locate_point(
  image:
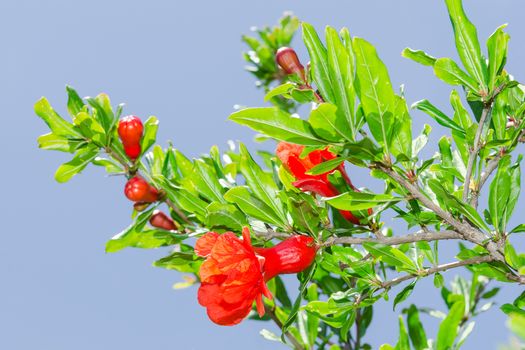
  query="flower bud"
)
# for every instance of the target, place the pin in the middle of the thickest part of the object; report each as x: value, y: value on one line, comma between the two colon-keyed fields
x: 287, y: 59
x: 161, y: 220
x: 138, y: 190
x: 292, y: 255
x: 141, y: 206
x: 130, y: 131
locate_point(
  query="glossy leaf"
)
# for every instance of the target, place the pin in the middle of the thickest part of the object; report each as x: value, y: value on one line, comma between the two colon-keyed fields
x: 361, y: 200
x: 448, y: 71
x: 277, y: 124
x: 83, y: 157
x: 418, y: 56
x: 440, y: 117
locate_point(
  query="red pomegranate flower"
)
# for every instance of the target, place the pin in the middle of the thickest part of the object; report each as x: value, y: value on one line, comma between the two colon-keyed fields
x: 234, y: 273
x: 290, y: 156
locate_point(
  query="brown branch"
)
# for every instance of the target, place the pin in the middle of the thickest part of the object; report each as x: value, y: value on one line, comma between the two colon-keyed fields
x: 118, y: 158
x: 177, y: 210
x: 275, y: 319
x: 440, y: 268
x: 409, y: 238
x: 475, y: 150
x: 468, y: 232
x: 489, y: 169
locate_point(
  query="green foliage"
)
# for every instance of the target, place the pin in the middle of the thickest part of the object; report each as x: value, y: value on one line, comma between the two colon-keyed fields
x: 356, y: 115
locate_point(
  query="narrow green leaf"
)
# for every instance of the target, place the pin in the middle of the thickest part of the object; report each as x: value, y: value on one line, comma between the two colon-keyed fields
x: 361, y: 200
x: 448, y: 329
x: 319, y: 62
x: 467, y: 42
x: 149, y: 137
x: 341, y: 73
x: 278, y: 91
x: 222, y: 215
x: 67, y: 170
x: 415, y: 329
x: 251, y: 205
x: 448, y: 71
x: 325, y: 167
x: 404, y: 294
x: 74, y: 103
x: 402, y: 341
x: 278, y: 124
x: 418, y: 56
x: 327, y: 125
x: 497, y: 45
x: 390, y: 255
x: 440, y: 117
x: 56, y: 123
x: 375, y: 91
x: 58, y: 143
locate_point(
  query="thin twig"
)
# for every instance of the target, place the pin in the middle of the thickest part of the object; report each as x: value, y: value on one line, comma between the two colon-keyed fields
x: 467, y: 231
x: 118, y: 158
x: 440, y: 268
x: 489, y: 169
x: 409, y: 238
x: 177, y: 210
x: 475, y: 150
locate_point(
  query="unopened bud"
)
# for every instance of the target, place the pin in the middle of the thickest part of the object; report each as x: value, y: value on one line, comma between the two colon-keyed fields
x: 287, y: 59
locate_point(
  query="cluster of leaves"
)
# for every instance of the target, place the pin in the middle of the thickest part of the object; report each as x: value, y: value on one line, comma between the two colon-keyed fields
x: 358, y: 115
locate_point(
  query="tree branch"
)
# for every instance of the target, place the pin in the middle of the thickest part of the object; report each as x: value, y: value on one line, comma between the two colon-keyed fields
x: 468, y: 232
x: 475, y: 150
x: 491, y: 166
x: 440, y: 268
x: 409, y: 238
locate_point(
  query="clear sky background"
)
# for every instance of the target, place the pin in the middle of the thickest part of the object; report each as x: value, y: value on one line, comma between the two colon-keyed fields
x: 180, y: 61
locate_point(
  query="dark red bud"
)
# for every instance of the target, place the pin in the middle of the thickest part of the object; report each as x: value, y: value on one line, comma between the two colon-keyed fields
x: 130, y: 131
x: 292, y: 255
x: 141, y: 206
x: 287, y: 59
x: 161, y: 220
x: 139, y: 190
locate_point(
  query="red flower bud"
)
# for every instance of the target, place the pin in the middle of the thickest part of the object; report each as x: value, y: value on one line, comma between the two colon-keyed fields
x: 161, y: 220
x: 287, y: 59
x: 138, y: 190
x: 292, y: 255
x: 130, y: 131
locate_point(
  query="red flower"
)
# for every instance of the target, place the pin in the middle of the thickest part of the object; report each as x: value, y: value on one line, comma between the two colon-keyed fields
x: 234, y: 273
x: 290, y: 156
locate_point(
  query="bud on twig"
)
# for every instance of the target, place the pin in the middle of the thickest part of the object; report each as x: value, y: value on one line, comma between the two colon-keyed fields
x: 161, y: 220
x: 287, y: 59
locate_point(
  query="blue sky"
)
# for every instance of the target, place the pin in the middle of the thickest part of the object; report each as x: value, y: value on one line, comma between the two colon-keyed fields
x: 180, y: 61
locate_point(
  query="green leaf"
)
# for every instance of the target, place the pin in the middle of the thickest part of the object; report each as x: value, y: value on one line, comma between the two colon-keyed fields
x: 497, y: 45
x: 448, y: 329
x: 418, y: 56
x: 325, y: 167
x: 90, y: 128
x: 224, y: 215
x: 440, y: 117
x: 375, y: 91
x: 179, y: 261
x: 251, y: 205
x: 390, y: 255
x: 304, y: 279
x: 499, y: 195
x: 404, y: 294
x: 327, y: 125
x: 204, y: 180
x: 415, y: 329
x: 402, y: 342
x: 135, y: 236
x: 511, y: 256
x: 149, y: 137
x: 75, y: 104
x: 319, y: 62
x: 261, y: 184
x: 67, y: 170
x: 102, y: 111
x: 341, y: 70
x: 517, y: 325
x: 278, y: 124
x: 448, y: 71
x: 361, y: 200
x: 467, y: 43
x: 303, y: 213
x: 401, y: 139
x: 58, y: 143
x: 56, y: 123
x: 278, y: 91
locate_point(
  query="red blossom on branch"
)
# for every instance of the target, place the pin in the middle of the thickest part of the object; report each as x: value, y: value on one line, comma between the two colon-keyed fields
x: 290, y: 156
x: 234, y: 273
